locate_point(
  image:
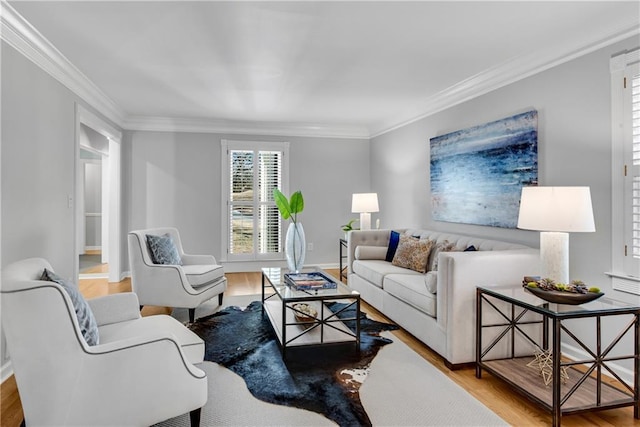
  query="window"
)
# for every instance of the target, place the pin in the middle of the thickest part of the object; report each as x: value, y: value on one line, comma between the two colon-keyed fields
x: 251, y: 170
x: 625, y: 104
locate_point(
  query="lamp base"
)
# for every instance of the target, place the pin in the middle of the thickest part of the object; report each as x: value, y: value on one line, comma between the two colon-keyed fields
x: 365, y: 221
x: 554, y: 255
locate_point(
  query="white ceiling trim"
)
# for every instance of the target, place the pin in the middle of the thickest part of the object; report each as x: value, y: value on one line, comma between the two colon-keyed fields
x: 27, y: 40
x: 166, y: 124
x: 503, y: 75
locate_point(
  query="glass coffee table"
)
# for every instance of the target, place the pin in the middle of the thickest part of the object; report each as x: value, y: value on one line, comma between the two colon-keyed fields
x: 295, y: 327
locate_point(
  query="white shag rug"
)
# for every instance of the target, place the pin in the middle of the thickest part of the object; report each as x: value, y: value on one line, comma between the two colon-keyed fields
x: 401, y: 389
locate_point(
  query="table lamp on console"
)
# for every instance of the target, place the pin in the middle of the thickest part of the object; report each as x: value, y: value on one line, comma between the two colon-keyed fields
x: 364, y: 204
x: 556, y: 212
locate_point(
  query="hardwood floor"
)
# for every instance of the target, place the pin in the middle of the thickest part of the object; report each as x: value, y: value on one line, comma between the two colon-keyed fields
x: 513, y: 408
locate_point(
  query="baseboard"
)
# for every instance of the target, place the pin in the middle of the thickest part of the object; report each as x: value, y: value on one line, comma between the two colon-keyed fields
x: 252, y: 266
x: 6, y: 371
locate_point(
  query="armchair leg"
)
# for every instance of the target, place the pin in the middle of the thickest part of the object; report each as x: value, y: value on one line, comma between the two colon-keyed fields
x: 195, y: 417
x: 220, y: 298
x: 192, y: 315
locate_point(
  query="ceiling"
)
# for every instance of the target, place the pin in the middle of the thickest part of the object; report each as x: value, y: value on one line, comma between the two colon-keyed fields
x: 335, y: 68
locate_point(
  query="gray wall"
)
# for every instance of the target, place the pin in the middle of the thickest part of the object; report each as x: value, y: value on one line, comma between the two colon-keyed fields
x: 38, y: 166
x: 174, y: 179
x: 574, y: 136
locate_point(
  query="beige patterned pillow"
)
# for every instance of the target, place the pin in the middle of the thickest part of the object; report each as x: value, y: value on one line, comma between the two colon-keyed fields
x: 444, y: 246
x: 413, y: 253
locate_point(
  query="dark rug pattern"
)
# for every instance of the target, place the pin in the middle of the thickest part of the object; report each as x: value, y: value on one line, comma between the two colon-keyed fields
x: 243, y: 341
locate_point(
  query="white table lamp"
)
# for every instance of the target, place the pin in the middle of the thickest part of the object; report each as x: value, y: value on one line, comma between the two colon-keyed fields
x: 555, y: 212
x: 364, y: 204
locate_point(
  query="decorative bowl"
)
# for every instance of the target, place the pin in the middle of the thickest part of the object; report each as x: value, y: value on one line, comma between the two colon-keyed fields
x: 310, y: 313
x: 562, y: 297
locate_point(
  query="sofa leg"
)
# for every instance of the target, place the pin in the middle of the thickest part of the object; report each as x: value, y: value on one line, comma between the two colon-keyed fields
x: 192, y: 315
x: 195, y: 417
x: 220, y: 298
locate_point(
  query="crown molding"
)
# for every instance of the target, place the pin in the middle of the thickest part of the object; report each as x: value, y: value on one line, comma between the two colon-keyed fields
x: 27, y: 40
x: 502, y: 75
x: 238, y: 127
x: 18, y: 33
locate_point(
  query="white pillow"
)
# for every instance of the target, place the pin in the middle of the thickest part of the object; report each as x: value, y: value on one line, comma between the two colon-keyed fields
x: 371, y: 252
x: 431, y: 281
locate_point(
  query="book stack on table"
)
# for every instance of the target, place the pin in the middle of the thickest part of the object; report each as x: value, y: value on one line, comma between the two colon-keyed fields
x: 309, y: 281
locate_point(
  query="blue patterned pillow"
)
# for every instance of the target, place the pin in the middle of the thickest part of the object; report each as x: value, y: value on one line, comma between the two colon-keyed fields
x: 86, y: 319
x: 163, y: 250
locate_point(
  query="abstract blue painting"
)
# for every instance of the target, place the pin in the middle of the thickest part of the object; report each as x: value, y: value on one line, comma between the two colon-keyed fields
x: 477, y: 174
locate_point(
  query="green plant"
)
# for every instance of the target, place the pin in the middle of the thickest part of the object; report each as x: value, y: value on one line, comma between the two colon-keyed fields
x: 348, y: 226
x: 289, y: 208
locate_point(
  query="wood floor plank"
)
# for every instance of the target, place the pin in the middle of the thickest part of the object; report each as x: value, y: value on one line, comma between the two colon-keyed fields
x: 495, y: 394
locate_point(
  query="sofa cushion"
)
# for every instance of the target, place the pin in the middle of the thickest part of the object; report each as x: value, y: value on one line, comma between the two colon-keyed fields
x: 163, y: 250
x: 413, y: 253
x: 202, y: 275
x: 370, y: 252
x: 84, y: 314
x: 375, y: 270
x: 192, y: 345
x: 412, y: 290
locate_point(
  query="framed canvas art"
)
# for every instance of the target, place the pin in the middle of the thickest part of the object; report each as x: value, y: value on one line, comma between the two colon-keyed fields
x: 477, y: 173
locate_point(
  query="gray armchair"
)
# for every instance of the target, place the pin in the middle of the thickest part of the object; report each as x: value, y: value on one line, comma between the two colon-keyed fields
x: 198, y: 279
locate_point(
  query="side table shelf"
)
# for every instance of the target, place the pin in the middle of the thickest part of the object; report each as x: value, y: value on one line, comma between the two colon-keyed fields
x: 510, y: 318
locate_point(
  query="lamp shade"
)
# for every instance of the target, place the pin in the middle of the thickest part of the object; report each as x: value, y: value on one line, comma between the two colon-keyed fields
x: 364, y: 202
x: 563, y: 209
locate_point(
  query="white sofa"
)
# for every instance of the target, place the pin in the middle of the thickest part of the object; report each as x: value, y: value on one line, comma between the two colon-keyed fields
x: 437, y: 307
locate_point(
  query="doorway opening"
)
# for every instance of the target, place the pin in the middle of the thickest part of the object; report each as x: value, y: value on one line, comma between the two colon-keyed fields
x: 97, y: 210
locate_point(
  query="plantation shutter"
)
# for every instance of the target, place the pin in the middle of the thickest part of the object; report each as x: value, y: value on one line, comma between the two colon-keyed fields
x: 269, y: 177
x: 253, y: 224
x: 632, y: 180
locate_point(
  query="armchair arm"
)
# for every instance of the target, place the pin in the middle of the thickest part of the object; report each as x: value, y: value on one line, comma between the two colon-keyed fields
x: 188, y: 259
x: 147, y: 378
x: 115, y: 308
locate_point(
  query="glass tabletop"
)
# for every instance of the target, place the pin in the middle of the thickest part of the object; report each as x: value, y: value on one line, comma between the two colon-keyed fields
x: 518, y: 294
x: 276, y: 277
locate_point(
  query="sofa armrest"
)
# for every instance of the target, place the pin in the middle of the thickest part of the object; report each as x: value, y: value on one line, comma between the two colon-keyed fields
x: 459, y: 273
x: 364, y: 238
x: 115, y: 308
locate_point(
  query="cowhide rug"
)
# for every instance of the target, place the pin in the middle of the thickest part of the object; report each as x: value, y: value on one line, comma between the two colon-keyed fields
x: 323, y: 380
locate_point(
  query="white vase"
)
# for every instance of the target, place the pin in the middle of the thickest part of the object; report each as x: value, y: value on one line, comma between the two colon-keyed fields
x: 294, y: 247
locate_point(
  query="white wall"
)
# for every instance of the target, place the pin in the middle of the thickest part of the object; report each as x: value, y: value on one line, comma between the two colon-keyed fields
x: 574, y: 148
x: 173, y: 179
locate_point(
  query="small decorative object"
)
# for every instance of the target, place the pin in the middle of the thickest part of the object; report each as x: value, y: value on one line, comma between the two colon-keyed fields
x: 543, y: 361
x: 348, y: 227
x: 573, y: 293
x: 309, y: 281
x: 295, y: 244
x: 304, y: 312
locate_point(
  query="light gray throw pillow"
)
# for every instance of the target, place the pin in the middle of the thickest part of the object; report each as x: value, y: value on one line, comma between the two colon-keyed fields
x: 86, y: 319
